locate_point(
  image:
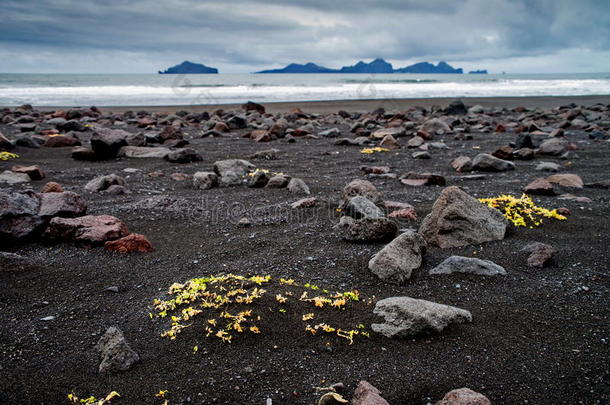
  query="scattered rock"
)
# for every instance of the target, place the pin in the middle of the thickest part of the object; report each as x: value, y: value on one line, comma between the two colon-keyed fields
x: 84, y: 154
x: 14, y: 262
x: 366, y: 229
x: 64, y: 204
x: 19, y: 214
x: 415, y: 142
x: 278, y: 181
x: 457, y: 219
x: 205, y: 180
x: 129, y: 244
x: 304, y: 203
x: 61, y: 141
x: 258, y: 179
x: 269, y: 154
x: 361, y: 207
x: 298, y: 186
x: 102, y: 183
x: 540, y: 254
x: 366, y: 394
x: 397, y: 260
x: 421, y: 155
x: 184, y: 155
x: 553, y: 147
x: 462, y: 164
x: 88, y: 229
x: 10, y: 177
x: 106, y: 142
x: 384, y: 132
x: 143, y: 152
x: 548, y: 167
x: 487, y: 162
x: 231, y: 168
x: 436, y: 126
x: 375, y: 169
x: 115, y: 352
x: 330, y: 133
x: 35, y: 172
x: 464, y: 396
x: 362, y: 188
x: 566, y: 180
x: 389, y: 142
x: 540, y: 186
x: 422, y: 179
x: 471, y: 265
x: 406, y: 317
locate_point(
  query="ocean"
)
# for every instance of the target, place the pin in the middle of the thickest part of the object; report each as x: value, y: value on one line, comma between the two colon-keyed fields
x: 160, y: 90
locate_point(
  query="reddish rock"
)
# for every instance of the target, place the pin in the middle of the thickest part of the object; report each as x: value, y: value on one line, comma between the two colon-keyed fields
x: 524, y: 154
x: 405, y: 213
x: 82, y: 153
x: 35, y: 172
x: 363, y: 188
x: 396, y: 205
x: 389, y: 142
x: 464, y: 396
x: 422, y: 179
x: 89, y: 229
x: 539, y: 186
x: 305, y: 203
x: 129, y: 244
x: 221, y: 127
x: 503, y: 152
x: 540, y: 254
x: 564, y: 211
x: 61, y: 141
x: 52, y: 187
x: 59, y: 114
x: 424, y: 135
x: 500, y: 128
x: 145, y: 122
x: 47, y: 132
x: 260, y: 135
x: 566, y: 180
x: 251, y: 106
x: 415, y: 142
x: 300, y: 132
x: 366, y: 394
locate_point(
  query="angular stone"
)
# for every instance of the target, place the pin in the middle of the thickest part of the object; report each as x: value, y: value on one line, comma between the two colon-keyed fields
x: 457, y: 219
x: 115, y: 353
x: 101, y: 183
x: 436, y: 126
x: 366, y: 229
x: 363, y: 188
x: 260, y: 135
x: 106, y: 142
x: 35, y: 172
x: 239, y: 167
x: 88, y: 229
x: 422, y: 179
x: 397, y: 260
x: 61, y: 141
x: 330, y: 133
x: 278, y: 181
x: 462, y: 164
x: 407, y: 317
x: 184, y: 155
x: 540, y: 254
x: 258, y: 179
x: 366, y: 394
x: 143, y: 152
x: 487, y: 162
x: 421, y: 155
x: 389, y: 142
x: 471, y: 265
x: 415, y: 142
x: 553, y: 147
x: 304, y: 203
x: 384, y: 132
x: 10, y: 177
x: 63, y: 204
x: 548, y: 167
x: 52, y: 187
x: 84, y: 154
x: 375, y: 169
x: 361, y: 207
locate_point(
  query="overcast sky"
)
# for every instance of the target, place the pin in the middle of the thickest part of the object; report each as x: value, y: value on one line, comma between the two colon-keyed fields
x: 142, y: 36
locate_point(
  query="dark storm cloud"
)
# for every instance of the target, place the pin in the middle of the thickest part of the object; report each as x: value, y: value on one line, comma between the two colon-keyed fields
x: 138, y: 35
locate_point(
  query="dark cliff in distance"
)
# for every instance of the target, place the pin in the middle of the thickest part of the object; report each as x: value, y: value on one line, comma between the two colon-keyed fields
x: 478, y: 72
x: 426, y: 67
x: 187, y: 67
x: 376, y: 66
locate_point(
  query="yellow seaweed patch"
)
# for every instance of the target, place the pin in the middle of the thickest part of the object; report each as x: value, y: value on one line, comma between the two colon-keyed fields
x: 521, y: 211
x: 369, y: 151
x: 8, y: 155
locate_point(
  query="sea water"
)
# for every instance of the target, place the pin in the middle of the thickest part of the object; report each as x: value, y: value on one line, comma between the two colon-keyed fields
x: 159, y: 90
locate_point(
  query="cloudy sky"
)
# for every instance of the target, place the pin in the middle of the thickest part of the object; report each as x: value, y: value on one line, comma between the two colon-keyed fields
x: 142, y: 36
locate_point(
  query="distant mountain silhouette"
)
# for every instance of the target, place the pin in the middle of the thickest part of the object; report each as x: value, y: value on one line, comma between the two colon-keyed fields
x: 297, y: 68
x: 478, y: 72
x: 376, y: 66
x: 426, y: 67
x: 187, y: 67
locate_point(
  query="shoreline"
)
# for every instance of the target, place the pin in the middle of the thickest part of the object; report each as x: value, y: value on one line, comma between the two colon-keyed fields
x: 330, y: 106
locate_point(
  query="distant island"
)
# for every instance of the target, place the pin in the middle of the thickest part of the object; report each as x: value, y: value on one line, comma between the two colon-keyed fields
x: 376, y: 66
x: 478, y: 72
x: 187, y: 67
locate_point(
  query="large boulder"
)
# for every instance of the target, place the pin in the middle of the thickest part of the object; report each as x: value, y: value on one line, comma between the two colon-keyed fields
x: 471, y: 265
x: 115, y: 353
x: 64, y: 204
x: 366, y: 229
x: 19, y: 214
x: 464, y: 396
x: 107, y: 142
x: 94, y: 230
x: 457, y: 219
x: 406, y: 317
x: 489, y: 163
x: 397, y: 260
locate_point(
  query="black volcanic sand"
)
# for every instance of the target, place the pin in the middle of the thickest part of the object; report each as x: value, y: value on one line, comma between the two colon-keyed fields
x: 538, y: 336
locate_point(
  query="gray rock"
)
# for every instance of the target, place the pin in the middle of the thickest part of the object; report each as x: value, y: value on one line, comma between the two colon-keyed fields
x: 406, y: 317
x: 487, y: 162
x: 298, y: 186
x: 553, y: 147
x: 258, y: 179
x: 142, y: 152
x: 360, y: 207
x: 330, y: 133
x: 278, y: 181
x: 205, y: 180
x: 238, y: 167
x: 19, y: 214
x: 366, y: 229
x: 106, y: 142
x: 183, y: 155
x: 64, y: 204
x: 471, y: 265
x: 462, y: 164
x: 9, y: 177
x: 269, y: 154
x: 362, y: 188
x: 115, y: 353
x: 437, y: 126
x: 397, y: 260
x: 102, y: 183
x: 458, y: 219
x: 366, y: 394
x: 421, y: 155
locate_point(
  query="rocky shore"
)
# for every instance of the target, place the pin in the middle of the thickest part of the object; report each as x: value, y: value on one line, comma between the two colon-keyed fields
x: 393, y: 254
